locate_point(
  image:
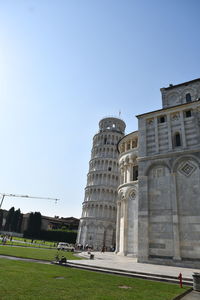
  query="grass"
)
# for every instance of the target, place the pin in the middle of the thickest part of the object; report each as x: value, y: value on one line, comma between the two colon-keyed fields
x: 33, y: 245
x: 44, y: 254
x: 32, y: 281
x: 28, y: 243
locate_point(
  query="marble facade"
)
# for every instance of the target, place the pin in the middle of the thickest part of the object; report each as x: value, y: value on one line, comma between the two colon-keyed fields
x: 158, y: 202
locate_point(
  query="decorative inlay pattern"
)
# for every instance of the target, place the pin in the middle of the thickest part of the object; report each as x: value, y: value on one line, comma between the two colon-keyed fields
x: 187, y: 168
x: 132, y: 195
x: 150, y: 122
x: 175, y: 116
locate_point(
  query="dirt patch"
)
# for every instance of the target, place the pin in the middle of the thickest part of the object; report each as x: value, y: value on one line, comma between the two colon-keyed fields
x: 124, y: 287
x: 59, y: 277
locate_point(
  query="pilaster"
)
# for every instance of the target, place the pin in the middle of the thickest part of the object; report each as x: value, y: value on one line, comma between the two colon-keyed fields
x: 183, y: 129
x: 143, y: 220
x: 175, y: 219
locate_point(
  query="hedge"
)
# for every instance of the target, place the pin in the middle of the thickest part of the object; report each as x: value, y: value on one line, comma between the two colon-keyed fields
x: 55, y: 235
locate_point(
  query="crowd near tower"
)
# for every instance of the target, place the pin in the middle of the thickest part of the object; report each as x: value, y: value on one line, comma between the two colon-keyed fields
x: 97, y: 227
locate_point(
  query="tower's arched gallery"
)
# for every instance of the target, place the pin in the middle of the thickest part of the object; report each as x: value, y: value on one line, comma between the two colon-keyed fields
x: 143, y: 189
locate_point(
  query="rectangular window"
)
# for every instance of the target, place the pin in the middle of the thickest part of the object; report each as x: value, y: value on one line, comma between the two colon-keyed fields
x: 162, y: 119
x: 188, y: 97
x: 135, y: 173
x: 188, y: 113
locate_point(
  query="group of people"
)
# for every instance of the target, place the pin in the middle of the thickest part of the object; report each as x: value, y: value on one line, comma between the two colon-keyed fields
x: 88, y: 247
x: 61, y: 259
x: 5, y: 238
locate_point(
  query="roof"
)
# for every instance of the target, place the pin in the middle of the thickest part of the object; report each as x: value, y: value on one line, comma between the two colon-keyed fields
x: 168, y: 108
x: 61, y: 220
x: 171, y: 86
x: 125, y: 136
x: 113, y: 118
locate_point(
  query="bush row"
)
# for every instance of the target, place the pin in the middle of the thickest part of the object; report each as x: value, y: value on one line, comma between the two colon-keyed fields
x: 54, y: 235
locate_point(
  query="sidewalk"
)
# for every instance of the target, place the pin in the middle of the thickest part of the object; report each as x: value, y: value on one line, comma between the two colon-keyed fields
x: 192, y: 296
x: 115, y: 262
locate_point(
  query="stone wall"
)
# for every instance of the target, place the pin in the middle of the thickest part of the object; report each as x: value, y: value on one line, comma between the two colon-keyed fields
x: 169, y: 181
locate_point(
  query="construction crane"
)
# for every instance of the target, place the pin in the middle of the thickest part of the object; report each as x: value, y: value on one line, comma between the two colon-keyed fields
x: 24, y: 196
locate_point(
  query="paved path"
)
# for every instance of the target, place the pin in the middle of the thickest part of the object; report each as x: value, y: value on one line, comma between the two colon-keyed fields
x: 113, y: 261
x: 40, y: 261
x: 192, y: 296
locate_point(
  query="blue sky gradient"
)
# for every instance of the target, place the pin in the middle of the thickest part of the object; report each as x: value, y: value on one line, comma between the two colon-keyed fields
x: 64, y: 65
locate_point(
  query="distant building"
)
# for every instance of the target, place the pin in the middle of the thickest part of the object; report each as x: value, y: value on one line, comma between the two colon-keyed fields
x: 49, y: 223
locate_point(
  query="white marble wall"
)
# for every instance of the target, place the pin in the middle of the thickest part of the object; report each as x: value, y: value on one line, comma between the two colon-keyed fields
x: 98, y: 221
x: 127, y: 205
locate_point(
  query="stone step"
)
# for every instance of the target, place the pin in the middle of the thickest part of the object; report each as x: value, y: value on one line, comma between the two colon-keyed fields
x: 142, y: 275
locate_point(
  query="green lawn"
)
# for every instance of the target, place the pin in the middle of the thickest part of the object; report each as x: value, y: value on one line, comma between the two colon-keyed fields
x: 45, y: 254
x: 16, y: 241
x: 36, y: 243
x: 32, y: 281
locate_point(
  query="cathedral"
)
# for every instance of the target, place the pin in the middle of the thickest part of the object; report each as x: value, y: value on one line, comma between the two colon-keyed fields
x: 142, y: 196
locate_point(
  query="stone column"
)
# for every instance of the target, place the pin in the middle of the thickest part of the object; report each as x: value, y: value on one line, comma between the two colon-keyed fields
x: 129, y: 173
x: 169, y: 132
x: 156, y: 134
x: 125, y: 246
x: 125, y: 172
x: 103, y: 211
x: 118, y: 226
x: 143, y: 220
x: 83, y: 211
x: 175, y: 218
x: 183, y: 129
x: 100, y: 194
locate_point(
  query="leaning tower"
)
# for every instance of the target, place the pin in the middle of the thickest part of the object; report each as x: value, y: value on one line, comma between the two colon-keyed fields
x: 98, y: 221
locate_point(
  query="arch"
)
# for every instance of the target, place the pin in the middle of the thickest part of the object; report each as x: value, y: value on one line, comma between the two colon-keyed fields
x: 173, y: 98
x: 188, y: 94
x: 156, y: 164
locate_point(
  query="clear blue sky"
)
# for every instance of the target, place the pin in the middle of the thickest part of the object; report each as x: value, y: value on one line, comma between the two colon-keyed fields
x: 64, y: 65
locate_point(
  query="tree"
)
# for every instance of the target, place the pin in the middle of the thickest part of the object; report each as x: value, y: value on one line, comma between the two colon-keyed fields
x: 9, y: 219
x: 34, y: 224
x: 37, y: 222
x: 19, y: 223
x: 30, y: 224
x: 15, y: 220
x: 1, y: 219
